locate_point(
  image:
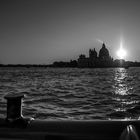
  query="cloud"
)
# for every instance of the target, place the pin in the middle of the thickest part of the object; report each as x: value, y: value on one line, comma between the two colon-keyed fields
x: 100, y: 41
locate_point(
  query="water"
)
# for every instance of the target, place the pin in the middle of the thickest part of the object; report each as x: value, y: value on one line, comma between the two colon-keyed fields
x: 74, y: 94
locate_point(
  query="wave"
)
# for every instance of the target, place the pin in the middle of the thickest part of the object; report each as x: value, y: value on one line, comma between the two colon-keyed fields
x: 69, y: 93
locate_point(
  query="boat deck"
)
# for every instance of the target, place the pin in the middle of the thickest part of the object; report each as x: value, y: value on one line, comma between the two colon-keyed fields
x: 69, y: 130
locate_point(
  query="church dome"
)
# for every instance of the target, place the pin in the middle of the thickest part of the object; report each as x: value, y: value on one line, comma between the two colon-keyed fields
x: 103, y: 53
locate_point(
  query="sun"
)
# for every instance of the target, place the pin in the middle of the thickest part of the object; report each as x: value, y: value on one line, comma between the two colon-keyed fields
x: 121, y: 53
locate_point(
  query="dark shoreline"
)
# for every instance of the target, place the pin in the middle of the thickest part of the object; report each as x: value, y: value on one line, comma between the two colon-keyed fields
x: 53, y: 66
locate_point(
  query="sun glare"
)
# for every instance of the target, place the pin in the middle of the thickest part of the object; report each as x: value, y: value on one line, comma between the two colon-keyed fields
x: 121, y: 53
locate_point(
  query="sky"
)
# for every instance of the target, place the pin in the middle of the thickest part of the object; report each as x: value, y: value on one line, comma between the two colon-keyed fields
x: 44, y: 31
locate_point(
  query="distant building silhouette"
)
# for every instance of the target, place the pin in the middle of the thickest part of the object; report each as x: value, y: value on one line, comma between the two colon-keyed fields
x: 92, y: 54
x: 103, y: 60
x: 103, y: 53
x: 83, y: 61
x: 92, y: 58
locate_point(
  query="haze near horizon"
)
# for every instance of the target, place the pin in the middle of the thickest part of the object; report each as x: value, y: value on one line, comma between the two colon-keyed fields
x: 44, y: 31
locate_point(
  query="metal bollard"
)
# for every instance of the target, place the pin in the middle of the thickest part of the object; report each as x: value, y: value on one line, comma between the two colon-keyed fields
x: 14, y: 110
x: 14, y: 106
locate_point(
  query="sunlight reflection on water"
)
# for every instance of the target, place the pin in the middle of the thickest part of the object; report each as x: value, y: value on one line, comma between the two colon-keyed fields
x: 123, y: 90
x: 121, y: 86
x: 69, y: 93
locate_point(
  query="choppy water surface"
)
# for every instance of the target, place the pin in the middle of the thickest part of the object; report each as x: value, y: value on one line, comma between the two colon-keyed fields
x: 74, y: 94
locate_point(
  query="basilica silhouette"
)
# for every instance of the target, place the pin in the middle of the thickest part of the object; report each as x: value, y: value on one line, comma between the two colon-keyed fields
x: 94, y: 60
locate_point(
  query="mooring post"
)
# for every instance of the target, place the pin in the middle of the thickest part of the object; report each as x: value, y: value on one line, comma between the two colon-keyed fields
x: 14, y: 109
x: 14, y: 106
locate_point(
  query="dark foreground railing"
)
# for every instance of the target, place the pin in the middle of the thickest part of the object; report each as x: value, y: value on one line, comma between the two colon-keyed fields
x: 15, y: 126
